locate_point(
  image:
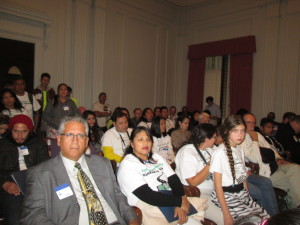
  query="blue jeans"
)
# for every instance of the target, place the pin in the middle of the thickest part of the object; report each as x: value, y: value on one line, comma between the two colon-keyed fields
x: 261, y: 189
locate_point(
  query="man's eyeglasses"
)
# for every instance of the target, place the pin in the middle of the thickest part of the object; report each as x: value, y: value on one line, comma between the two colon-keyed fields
x: 71, y: 135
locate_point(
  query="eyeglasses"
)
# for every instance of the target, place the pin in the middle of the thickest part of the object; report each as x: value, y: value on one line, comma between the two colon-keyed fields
x: 71, y: 135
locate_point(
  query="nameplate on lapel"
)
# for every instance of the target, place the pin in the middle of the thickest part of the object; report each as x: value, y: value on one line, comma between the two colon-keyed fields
x: 63, y: 191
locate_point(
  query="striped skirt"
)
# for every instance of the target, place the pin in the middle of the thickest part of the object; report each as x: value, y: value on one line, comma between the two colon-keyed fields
x: 240, y: 204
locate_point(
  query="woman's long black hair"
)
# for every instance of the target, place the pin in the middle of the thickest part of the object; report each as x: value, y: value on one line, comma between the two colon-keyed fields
x: 202, y: 131
x: 130, y: 150
x: 17, y: 104
x: 155, y: 127
x: 143, y: 118
x: 180, y: 119
x: 95, y: 132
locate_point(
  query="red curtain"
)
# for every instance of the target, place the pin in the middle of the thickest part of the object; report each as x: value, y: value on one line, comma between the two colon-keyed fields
x: 241, y: 64
x: 196, y: 84
x: 240, y: 82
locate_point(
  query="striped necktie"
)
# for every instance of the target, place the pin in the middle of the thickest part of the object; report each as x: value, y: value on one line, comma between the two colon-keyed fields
x: 95, y: 209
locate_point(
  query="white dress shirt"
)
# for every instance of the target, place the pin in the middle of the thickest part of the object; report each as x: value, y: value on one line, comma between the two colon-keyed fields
x: 72, y: 173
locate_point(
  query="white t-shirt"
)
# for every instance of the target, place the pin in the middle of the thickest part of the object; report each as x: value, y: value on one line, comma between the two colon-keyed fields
x: 189, y: 163
x: 144, y: 124
x: 220, y: 164
x: 132, y: 174
x: 101, y: 108
x: 29, y: 108
x: 118, y: 141
x: 169, y: 124
x: 252, y: 153
x: 163, y: 146
x: 13, y: 112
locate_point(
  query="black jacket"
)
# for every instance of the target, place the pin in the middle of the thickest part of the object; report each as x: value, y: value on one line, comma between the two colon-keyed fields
x: 9, y: 155
x: 288, y: 138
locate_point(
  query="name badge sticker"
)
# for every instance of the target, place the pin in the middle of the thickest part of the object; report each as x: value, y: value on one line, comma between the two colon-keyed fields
x: 24, y: 150
x: 66, y: 108
x: 63, y: 191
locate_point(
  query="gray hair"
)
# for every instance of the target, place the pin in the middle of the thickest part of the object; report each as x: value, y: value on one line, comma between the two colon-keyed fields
x: 69, y: 119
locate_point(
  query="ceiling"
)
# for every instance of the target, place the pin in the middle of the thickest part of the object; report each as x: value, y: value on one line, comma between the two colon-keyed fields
x: 186, y: 2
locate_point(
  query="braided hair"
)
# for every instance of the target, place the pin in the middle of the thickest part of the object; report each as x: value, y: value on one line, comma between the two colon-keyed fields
x: 229, y: 124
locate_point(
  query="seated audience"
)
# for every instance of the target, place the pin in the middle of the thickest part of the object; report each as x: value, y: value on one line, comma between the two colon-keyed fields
x: 4, y: 121
x: 204, y: 117
x: 266, y: 128
x: 146, y: 119
x: 10, y: 104
x: 161, y: 140
x: 165, y: 114
x: 144, y: 177
x: 156, y: 111
x: 137, y: 116
x: 172, y: 114
x: 74, y: 188
x: 230, y: 174
x: 284, y: 175
x: 288, y: 136
x: 19, y: 150
x: 193, y: 163
x: 194, y: 121
x: 54, y: 112
x: 95, y: 132
x: 184, y: 110
x: 271, y: 116
x: 116, y: 139
x: 109, y: 123
x: 181, y: 135
x: 288, y: 117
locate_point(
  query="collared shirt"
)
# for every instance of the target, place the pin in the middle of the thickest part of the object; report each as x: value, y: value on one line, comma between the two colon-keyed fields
x: 72, y: 173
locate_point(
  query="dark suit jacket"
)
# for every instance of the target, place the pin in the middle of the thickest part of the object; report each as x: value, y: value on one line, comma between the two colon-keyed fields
x: 289, y: 140
x: 42, y: 206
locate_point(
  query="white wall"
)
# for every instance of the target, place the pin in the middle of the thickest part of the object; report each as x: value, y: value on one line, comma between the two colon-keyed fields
x: 276, y: 74
x: 136, y: 50
x: 123, y: 47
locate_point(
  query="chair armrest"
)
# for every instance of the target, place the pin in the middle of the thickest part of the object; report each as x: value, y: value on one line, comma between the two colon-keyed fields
x: 191, y: 191
x: 139, y: 214
x: 208, y: 222
x: 253, y: 166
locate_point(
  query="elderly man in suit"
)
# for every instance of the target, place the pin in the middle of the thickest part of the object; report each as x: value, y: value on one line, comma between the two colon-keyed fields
x: 74, y: 188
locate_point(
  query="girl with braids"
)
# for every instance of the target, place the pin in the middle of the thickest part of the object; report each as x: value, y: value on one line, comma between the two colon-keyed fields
x: 228, y: 167
x: 95, y: 132
x: 144, y: 177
